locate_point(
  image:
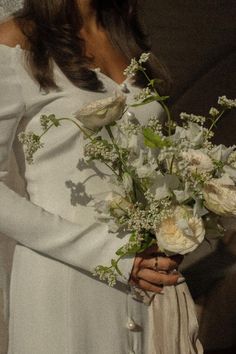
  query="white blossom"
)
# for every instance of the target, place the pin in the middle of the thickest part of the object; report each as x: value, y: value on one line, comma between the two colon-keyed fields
x: 32, y: 143
x: 214, y: 112
x: 136, y: 65
x: 131, y: 69
x: 226, y: 102
x: 144, y: 57
x: 144, y: 93
x: 192, y: 118
x: 220, y: 196
x: 197, y: 160
x: 181, y: 232
x: 100, y: 150
x: 100, y: 113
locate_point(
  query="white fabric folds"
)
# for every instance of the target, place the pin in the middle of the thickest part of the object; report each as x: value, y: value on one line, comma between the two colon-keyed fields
x: 178, y: 335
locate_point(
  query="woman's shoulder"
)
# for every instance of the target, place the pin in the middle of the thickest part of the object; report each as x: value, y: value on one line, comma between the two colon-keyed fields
x: 11, y: 34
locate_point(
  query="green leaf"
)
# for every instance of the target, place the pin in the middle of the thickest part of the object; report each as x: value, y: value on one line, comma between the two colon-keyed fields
x: 149, y: 99
x: 149, y: 241
x: 54, y: 120
x: 120, y: 251
x: 163, y: 98
x: 114, y: 264
x: 145, y: 101
x: 152, y: 82
x: 154, y: 140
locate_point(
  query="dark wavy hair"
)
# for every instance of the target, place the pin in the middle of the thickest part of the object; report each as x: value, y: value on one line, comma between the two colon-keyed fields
x: 52, y: 30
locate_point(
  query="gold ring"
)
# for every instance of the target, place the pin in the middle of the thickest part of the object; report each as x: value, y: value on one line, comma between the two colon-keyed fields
x: 156, y: 264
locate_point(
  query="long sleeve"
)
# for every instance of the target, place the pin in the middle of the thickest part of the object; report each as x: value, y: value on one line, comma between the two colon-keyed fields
x: 31, y: 225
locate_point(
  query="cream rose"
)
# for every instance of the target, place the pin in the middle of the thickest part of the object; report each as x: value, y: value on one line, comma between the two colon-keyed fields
x: 197, y: 160
x: 220, y: 196
x: 180, y: 233
x: 102, y: 112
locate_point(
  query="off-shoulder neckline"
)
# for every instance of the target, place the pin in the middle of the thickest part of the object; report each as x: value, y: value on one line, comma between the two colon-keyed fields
x: 97, y: 70
x: 17, y: 46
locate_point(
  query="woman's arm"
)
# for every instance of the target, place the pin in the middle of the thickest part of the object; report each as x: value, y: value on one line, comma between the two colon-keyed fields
x: 28, y: 223
x: 39, y: 229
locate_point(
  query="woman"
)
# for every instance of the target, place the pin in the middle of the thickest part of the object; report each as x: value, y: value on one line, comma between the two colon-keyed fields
x: 48, y: 60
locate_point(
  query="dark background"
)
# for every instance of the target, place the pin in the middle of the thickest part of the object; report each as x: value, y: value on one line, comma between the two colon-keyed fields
x: 197, y: 42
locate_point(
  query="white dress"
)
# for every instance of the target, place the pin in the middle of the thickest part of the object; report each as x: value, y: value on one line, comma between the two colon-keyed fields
x: 56, y: 305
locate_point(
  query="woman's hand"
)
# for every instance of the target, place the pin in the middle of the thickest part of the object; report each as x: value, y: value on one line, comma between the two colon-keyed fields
x: 152, y: 270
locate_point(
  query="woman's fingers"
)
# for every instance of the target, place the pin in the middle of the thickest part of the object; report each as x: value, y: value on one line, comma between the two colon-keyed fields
x: 157, y: 278
x: 159, y: 263
x: 152, y: 255
x: 151, y: 271
x: 145, y: 285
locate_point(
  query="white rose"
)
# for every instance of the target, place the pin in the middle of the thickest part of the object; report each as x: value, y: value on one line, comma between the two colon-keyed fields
x: 102, y: 112
x: 197, y: 160
x: 220, y: 196
x: 180, y: 233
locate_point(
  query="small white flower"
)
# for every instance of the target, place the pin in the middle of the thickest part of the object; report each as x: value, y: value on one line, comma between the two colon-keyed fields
x: 32, y: 144
x: 144, y: 57
x: 136, y: 65
x: 144, y: 93
x: 226, y: 102
x: 131, y: 69
x: 220, y: 196
x: 192, y: 118
x: 180, y: 233
x: 214, y: 112
x: 102, y: 112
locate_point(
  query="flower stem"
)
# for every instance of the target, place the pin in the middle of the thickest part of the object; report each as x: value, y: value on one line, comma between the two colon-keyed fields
x: 164, y: 106
x: 215, y: 121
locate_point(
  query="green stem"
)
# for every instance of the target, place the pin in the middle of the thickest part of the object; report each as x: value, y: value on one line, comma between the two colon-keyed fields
x: 215, y: 122
x: 136, y: 185
x: 164, y: 106
x: 84, y: 132
x: 108, y: 128
x: 172, y: 163
x: 70, y: 120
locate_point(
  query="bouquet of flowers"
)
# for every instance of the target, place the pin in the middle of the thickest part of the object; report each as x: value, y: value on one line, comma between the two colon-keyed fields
x: 171, y: 183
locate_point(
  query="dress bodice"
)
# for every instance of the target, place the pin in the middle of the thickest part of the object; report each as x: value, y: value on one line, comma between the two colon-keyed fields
x: 58, y: 186
x: 58, y: 180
